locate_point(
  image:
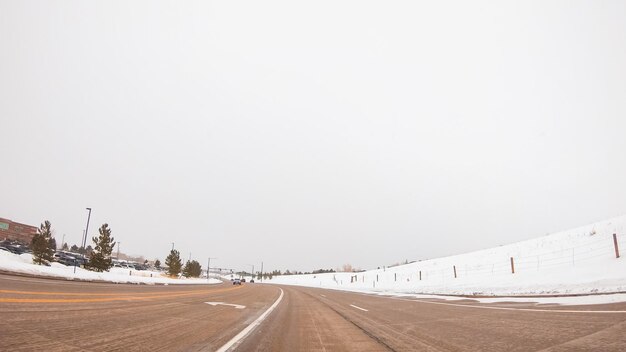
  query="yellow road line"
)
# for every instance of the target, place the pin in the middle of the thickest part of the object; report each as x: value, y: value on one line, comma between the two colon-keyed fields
x: 52, y: 293
x: 109, y: 299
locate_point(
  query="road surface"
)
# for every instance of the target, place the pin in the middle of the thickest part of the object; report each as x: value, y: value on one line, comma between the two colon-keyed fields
x: 55, y: 315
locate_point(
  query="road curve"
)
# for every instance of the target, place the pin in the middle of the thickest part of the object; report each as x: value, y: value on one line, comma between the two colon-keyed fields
x: 55, y: 315
x: 312, y: 319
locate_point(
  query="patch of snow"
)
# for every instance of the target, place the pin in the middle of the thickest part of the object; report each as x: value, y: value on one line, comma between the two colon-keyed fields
x: 23, y: 264
x: 573, y: 262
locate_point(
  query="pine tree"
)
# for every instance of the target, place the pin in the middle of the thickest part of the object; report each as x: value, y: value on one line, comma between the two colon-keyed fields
x: 192, y: 269
x: 65, y: 247
x: 42, y: 254
x: 157, y: 264
x: 52, y: 244
x: 75, y: 249
x: 173, y: 263
x: 100, y: 259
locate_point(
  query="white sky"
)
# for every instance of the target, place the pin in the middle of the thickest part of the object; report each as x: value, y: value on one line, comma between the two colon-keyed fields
x: 312, y: 134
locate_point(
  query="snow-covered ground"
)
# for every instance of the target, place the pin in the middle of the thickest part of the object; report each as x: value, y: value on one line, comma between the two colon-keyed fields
x: 23, y: 264
x: 578, y: 261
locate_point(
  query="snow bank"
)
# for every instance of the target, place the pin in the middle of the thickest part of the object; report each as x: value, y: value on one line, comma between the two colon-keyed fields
x: 23, y: 264
x: 578, y: 261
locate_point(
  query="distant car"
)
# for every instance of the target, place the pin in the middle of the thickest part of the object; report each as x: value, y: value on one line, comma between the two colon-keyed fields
x: 243, y: 280
x: 15, y: 249
x: 67, y: 259
x: 251, y: 281
x: 236, y: 282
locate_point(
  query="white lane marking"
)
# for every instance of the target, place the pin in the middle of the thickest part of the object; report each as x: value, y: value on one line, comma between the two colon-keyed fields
x: 238, y: 306
x: 359, y: 308
x: 518, y: 309
x: 240, y: 336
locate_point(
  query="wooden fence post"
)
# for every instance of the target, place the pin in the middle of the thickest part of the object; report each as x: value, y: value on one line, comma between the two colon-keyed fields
x: 512, y: 266
x: 454, y: 267
x: 420, y: 275
x: 616, y: 246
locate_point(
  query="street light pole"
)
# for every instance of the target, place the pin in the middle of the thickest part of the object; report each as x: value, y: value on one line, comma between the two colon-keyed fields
x: 172, y: 245
x: 118, y: 250
x: 208, y: 268
x: 87, y: 228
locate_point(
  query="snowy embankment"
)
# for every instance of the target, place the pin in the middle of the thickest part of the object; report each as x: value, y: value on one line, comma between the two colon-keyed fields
x: 23, y: 264
x: 578, y: 261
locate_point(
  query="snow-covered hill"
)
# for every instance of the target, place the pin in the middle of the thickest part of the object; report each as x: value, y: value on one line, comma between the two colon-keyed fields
x: 578, y: 261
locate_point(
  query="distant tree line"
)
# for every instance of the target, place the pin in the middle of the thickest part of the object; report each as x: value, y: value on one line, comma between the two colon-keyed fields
x: 270, y: 275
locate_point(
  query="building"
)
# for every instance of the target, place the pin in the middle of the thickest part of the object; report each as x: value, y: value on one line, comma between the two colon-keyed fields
x: 10, y: 230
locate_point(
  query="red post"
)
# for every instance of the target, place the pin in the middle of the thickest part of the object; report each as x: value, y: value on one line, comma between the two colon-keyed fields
x: 616, y: 246
x: 454, y: 267
x: 512, y: 266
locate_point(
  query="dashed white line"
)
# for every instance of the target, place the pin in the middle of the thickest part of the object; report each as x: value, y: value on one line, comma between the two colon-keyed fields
x: 240, y: 336
x: 359, y: 308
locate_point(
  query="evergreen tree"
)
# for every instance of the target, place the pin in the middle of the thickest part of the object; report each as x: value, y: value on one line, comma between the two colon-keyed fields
x: 173, y: 263
x: 192, y: 269
x: 52, y: 244
x: 40, y: 244
x: 157, y: 264
x: 65, y: 247
x: 100, y: 259
x: 75, y: 249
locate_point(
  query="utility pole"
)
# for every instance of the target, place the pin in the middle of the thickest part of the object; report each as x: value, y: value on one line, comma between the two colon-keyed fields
x: 118, y: 250
x: 261, y: 271
x: 172, y: 245
x: 87, y: 228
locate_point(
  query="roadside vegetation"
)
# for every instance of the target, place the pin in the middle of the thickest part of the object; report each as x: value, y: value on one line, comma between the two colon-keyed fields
x: 173, y: 263
x: 42, y: 243
x: 100, y: 259
x: 192, y: 269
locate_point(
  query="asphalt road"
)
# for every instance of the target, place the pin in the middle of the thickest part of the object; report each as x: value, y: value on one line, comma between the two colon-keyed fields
x: 52, y: 315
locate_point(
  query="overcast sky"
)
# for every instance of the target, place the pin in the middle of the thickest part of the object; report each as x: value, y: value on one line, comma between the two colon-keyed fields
x: 312, y: 134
